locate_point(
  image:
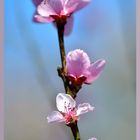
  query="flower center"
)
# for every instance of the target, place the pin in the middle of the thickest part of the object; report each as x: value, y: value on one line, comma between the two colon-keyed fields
x: 70, y: 117
x: 70, y: 114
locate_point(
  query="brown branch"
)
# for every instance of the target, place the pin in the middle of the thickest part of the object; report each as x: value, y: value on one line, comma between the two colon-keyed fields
x: 62, y: 71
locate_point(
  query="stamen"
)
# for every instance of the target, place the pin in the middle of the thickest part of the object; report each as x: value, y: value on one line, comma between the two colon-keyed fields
x: 65, y: 107
x: 69, y: 108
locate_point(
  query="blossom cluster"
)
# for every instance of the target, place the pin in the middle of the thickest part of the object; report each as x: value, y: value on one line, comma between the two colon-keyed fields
x: 77, y: 69
x: 80, y: 71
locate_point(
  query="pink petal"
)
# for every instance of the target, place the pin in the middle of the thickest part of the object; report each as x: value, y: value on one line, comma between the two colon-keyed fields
x: 92, y: 139
x: 45, y: 9
x: 55, y: 116
x: 94, y: 71
x: 68, y: 26
x: 42, y: 19
x: 84, y: 108
x: 70, y: 6
x: 77, y: 62
x: 82, y: 4
x: 56, y: 5
x: 64, y: 102
x: 76, y: 4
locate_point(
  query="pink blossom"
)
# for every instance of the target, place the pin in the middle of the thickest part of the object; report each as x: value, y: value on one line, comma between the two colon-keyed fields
x: 80, y: 69
x: 52, y: 10
x: 67, y: 111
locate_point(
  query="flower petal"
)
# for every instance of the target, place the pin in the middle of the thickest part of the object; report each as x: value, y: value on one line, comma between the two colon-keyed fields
x: 82, y: 4
x: 55, y: 116
x: 68, y: 26
x: 92, y: 139
x: 42, y: 19
x: 75, y: 5
x: 65, y: 102
x: 77, y: 62
x: 84, y: 108
x: 45, y: 9
x: 56, y: 5
x: 94, y: 71
x: 69, y: 6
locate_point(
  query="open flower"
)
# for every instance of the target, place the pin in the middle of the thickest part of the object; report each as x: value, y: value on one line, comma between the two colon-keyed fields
x: 53, y: 10
x: 68, y: 112
x: 80, y: 69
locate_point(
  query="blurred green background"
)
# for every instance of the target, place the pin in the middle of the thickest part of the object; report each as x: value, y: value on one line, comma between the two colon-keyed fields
x: 104, y: 29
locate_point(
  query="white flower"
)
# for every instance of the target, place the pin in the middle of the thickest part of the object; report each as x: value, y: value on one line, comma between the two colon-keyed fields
x: 67, y: 111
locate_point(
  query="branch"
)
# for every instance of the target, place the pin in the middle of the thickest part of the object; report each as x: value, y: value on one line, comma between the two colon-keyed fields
x: 62, y: 72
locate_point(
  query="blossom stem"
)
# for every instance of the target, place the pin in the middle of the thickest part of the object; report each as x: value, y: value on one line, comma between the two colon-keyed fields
x: 75, y: 130
x: 60, y: 28
x: 63, y: 71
